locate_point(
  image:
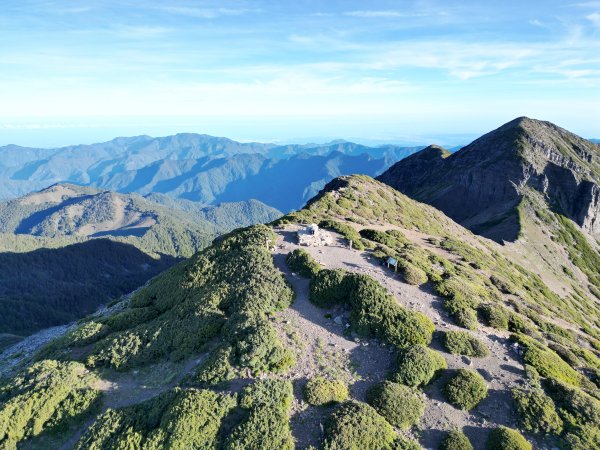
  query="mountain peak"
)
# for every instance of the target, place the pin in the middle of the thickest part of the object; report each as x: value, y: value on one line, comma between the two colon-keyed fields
x: 482, y: 184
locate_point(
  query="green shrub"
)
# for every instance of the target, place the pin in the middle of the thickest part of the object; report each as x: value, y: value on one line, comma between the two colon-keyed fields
x: 536, y: 411
x: 462, y: 343
x: 585, y: 437
x: 356, y: 426
x: 303, y: 263
x: 550, y: 365
x: 390, y: 238
x: 418, y: 365
x: 266, y: 425
x: 466, y: 389
x: 49, y: 395
x: 402, y: 443
x: 456, y: 440
x: 217, y: 368
x: 174, y: 419
x: 503, y: 438
x: 321, y: 391
x: 257, y: 346
x: 462, y: 299
x: 567, y: 355
x: 402, y: 406
x: 466, y: 318
x: 495, y: 316
x: 576, y: 407
x: 330, y: 287
x: 414, y: 275
x: 375, y: 312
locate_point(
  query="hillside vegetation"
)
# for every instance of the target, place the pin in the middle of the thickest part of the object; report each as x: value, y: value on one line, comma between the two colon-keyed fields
x: 231, y: 359
x: 59, y: 264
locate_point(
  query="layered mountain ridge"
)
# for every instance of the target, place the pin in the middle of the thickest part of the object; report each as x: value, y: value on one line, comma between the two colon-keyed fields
x: 201, y: 168
x: 482, y: 185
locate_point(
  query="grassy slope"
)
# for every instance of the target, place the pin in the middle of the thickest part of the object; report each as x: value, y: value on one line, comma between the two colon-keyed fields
x: 219, y: 303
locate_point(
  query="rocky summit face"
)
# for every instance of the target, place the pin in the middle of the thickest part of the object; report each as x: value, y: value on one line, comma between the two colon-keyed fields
x: 482, y: 185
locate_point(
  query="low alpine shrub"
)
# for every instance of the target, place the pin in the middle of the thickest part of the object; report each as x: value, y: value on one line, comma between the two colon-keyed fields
x: 456, y: 440
x: 417, y: 366
x: 466, y: 389
x: 321, y: 391
x: 400, y: 405
x: 463, y: 343
x: 503, y: 438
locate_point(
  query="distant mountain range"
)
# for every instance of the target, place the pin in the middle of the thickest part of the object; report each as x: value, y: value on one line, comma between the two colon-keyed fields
x: 195, y: 167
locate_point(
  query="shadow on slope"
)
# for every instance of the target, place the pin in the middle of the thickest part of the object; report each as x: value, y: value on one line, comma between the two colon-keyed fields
x: 48, y: 287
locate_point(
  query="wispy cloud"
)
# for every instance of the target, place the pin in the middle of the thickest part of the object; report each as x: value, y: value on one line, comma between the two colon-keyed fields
x: 594, y: 18
x: 376, y: 13
x: 207, y: 13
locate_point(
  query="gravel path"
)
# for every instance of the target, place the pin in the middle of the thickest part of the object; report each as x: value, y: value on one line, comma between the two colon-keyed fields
x: 501, y: 369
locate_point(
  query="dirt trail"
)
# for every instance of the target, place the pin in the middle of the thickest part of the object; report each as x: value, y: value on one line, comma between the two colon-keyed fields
x: 130, y: 388
x: 501, y: 369
x: 323, y: 347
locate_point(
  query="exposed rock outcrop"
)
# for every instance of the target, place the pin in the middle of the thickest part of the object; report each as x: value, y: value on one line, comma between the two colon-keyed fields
x: 482, y: 184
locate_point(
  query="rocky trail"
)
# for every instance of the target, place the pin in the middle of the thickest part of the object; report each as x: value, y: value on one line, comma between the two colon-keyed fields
x: 368, y: 361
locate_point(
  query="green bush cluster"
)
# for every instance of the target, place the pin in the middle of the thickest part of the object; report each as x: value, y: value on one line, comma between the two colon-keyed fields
x: 216, y: 370
x: 537, y: 412
x: 417, y: 366
x: 456, y: 440
x: 550, y: 365
x: 301, y: 262
x: 47, y: 396
x: 462, y: 299
x: 174, y: 419
x: 579, y: 411
x: 227, y: 289
x: 345, y: 230
x: 266, y: 424
x: 463, y: 343
x: 374, y: 311
x: 414, y: 275
x: 322, y: 391
x: 256, y: 345
x: 389, y: 238
x: 330, y: 287
x: 401, y: 406
x: 503, y: 438
x: 357, y: 425
x: 466, y: 389
x: 495, y: 316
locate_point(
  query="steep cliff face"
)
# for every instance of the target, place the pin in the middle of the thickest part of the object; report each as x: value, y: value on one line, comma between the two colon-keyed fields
x: 482, y: 184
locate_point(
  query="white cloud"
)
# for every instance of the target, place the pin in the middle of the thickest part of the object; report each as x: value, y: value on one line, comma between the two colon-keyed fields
x: 594, y: 18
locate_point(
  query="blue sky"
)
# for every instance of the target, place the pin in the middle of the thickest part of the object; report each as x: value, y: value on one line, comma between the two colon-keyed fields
x: 405, y: 71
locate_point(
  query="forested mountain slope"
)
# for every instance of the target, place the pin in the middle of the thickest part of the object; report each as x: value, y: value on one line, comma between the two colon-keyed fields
x: 59, y: 265
x: 255, y: 342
